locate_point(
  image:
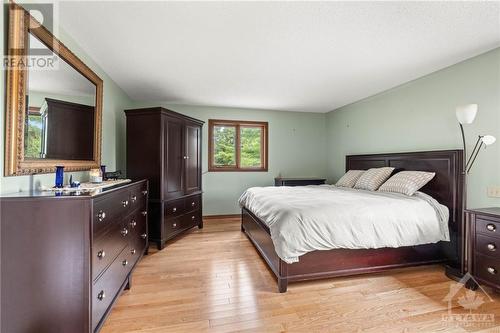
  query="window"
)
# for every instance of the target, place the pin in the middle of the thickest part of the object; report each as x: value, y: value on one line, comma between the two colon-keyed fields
x: 36, y: 127
x: 237, y: 145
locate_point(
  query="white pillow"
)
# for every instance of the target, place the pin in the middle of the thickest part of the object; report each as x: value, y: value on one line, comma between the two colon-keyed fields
x: 350, y: 178
x: 407, y: 182
x: 373, y: 178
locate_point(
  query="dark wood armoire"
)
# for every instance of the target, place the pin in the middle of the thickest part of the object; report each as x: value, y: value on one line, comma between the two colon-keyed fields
x: 164, y: 147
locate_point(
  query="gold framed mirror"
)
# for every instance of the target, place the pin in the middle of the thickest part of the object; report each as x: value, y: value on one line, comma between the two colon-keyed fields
x: 53, y: 102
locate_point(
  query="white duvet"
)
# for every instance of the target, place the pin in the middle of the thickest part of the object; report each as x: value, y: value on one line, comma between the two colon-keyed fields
x: 308, y: 218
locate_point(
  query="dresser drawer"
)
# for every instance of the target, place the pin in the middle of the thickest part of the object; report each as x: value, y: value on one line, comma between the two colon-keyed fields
x: 174, y: 208
x: 107, y: 247
x: 138, y: 196
x: 108, y: 209
x: 108, y: 285
x: 192, y: 203
x: 487, y: 227
x: 487, y: 245
x: 138, y: 235
x: 487, y: 268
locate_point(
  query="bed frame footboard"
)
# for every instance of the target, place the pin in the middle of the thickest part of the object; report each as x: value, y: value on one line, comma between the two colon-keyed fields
x: 334, y: 263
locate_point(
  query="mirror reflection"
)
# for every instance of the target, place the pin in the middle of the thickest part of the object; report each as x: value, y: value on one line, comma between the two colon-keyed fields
x: 60, y: 110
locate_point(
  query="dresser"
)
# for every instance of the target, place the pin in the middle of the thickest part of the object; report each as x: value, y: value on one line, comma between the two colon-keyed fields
x: 164, y: 147
x: 66, y: 258
x: 279, y: 181
x: 484, y: 245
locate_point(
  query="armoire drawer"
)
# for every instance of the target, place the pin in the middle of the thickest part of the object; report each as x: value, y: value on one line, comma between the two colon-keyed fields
x: 192, y: 203
x: 191, y: 219
x: 108, y: 285
x: 174, y: 208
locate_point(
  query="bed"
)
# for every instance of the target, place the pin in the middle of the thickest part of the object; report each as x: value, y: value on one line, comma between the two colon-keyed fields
x: 301, y: 265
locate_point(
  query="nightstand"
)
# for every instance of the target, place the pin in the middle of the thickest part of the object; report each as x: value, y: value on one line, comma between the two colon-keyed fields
x: 298, y: 181
x: 484, y: 245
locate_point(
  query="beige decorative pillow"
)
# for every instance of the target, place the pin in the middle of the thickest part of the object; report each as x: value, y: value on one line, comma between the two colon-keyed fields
x: 373, y: 178
x: 407, y: 182
x: 350, y: 178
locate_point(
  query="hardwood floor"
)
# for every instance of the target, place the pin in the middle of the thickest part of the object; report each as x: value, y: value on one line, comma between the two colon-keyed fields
x: 213, y: 280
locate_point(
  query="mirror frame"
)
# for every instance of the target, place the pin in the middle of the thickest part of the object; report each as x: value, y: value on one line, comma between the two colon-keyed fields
x: 15, y: 164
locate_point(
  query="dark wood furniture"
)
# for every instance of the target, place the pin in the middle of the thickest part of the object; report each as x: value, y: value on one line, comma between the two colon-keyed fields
x: 446, y: 187
x: 70, y: 130
x: 165, y: 147
x: 484, y: 245
x: 279, y: 181
x: 65, y: 259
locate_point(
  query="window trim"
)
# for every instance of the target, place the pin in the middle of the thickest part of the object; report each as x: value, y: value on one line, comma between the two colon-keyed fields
x: 238, y: 123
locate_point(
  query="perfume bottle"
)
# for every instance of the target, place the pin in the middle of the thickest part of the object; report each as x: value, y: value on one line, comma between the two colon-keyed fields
x: 59, y: 176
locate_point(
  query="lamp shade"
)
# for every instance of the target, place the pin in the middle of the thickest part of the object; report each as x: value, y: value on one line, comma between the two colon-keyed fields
x: 488, y: 139
x: 466, y: 113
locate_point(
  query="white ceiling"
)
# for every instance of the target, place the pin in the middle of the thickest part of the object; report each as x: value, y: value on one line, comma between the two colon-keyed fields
x: 297, y: 56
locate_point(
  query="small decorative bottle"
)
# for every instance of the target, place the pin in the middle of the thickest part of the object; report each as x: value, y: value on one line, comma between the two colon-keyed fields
x: 59, y: 176
x: 103, y: 172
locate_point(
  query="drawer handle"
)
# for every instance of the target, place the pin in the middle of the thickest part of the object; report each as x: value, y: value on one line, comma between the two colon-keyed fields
x: 174, y: 225
x: 144, y: 192
x: 174, y: 209
x: 144, y: 213
x: 192, y: 204
x: 101, y: 254
x: 490, y: 227
x: 125, y: 203
x: 143, y: 236
x: 491, y: 247
x: 132, y: 251
x: 125, y: 262
x: 492, y: 270
x: 193, y: 217
x: 124, y: 232
x: 133, y: 224
x: 101, y: 295
x: 101, y: 215
x: 133, y: 198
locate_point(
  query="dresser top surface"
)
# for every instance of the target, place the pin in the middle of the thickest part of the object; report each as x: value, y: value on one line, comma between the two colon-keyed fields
x: 77, y: 194
x: 488, y: 211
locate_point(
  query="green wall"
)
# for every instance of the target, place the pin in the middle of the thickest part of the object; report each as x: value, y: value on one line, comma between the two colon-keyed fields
x: 113, y: 122
x: 420, y: 115
x: 297, y: 145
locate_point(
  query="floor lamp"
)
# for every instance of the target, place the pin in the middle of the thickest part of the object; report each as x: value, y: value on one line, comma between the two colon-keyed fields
x: 465, y: 116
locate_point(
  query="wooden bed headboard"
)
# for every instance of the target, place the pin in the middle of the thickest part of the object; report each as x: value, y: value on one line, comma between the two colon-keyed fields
x: 446, y: 187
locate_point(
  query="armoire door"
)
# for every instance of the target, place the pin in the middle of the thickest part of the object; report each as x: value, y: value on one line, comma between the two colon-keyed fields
x: 173, y: 186
x: 193, y: 158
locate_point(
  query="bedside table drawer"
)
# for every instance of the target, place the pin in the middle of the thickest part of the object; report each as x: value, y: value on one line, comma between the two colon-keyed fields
x: 487, y: 227
x: 487, y: 245
x: 487, y: 268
